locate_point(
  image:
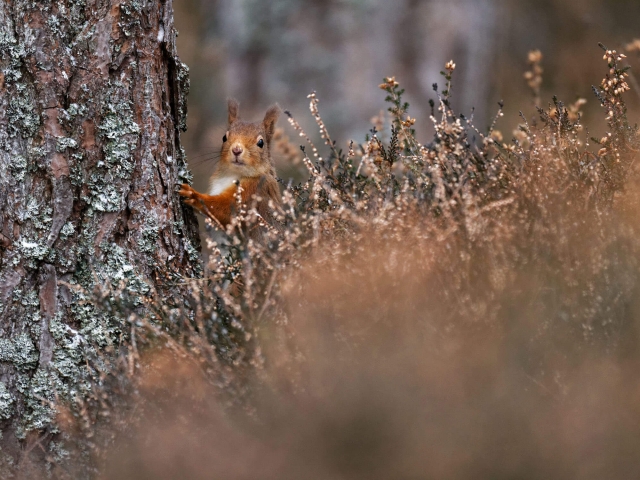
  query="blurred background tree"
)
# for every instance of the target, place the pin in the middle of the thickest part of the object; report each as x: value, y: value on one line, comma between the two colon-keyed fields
x: 281, y: 50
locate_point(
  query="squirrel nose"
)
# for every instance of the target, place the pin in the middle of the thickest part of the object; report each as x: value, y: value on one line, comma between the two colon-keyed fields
x: 236, y: 151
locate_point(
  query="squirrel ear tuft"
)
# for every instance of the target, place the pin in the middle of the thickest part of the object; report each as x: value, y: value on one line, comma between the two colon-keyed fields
x: 270, y: 119
x: 234, y: 110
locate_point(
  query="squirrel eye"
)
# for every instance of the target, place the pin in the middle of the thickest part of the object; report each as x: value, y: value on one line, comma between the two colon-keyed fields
x: 261, y: 143
x: 224, y: 139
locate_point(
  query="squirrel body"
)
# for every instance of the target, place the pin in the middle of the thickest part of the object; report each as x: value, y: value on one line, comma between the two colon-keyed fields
x: 245, y: 161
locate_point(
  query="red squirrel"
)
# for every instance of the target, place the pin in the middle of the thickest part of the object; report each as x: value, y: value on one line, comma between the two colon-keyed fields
x: 245, y: 159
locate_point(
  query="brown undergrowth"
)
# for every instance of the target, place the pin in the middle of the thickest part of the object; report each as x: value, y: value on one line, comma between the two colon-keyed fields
x: 462, y: 309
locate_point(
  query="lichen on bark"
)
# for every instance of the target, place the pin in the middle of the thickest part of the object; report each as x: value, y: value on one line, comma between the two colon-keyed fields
x: 92, y: 102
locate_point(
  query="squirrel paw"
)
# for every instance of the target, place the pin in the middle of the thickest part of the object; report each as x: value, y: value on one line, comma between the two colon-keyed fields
x: 189, y: 195
x: 187, y: 191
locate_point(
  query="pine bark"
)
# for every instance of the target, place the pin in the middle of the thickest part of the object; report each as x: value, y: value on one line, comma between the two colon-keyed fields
x: 92, y: 102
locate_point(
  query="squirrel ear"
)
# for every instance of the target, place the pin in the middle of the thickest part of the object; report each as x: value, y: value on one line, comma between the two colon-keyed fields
x: 270, y: 119
x: 234, y: 110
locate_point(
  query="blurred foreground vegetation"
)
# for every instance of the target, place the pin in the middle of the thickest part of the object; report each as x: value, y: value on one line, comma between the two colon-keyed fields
x: 462, y: 308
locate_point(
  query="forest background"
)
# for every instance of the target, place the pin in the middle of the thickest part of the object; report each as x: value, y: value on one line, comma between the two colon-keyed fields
x: 282, y: 50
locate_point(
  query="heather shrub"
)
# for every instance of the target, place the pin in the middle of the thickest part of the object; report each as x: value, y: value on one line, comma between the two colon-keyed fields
x: 459, y: 309
x: 478, y: 210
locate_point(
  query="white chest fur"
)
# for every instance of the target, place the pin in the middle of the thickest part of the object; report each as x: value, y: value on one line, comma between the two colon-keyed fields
x: 219, y: 185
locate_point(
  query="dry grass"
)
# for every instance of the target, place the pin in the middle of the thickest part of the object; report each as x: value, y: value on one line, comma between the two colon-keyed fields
x: 462, y: 309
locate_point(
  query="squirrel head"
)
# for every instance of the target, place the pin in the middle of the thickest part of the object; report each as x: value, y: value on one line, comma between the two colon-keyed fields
x: 246, y: 147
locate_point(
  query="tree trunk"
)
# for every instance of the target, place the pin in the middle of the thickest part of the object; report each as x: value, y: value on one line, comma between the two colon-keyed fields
x: 92, y: 101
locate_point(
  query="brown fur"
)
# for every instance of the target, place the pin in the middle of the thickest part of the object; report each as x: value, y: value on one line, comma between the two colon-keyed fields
x: 252, y: 168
